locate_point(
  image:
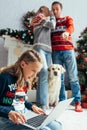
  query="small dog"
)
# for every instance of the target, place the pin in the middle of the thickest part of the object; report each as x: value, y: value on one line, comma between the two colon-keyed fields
x: 54, y: 84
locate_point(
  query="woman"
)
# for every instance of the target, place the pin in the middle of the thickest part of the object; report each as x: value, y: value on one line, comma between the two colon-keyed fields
x: 13, y: 83
x: 43, y: 23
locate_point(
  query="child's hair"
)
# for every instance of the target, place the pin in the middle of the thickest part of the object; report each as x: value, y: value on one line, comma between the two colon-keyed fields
x: 46, y: 9
x: 16, y: 70
x: 57, y: 2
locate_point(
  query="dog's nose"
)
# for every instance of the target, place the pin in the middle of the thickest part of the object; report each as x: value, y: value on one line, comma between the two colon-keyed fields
x: 55, y: 73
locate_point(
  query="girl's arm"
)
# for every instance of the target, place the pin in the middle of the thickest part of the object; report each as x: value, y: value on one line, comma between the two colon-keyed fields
x: 4, y: 110
x: 34, y: 108
x: 28, y: 105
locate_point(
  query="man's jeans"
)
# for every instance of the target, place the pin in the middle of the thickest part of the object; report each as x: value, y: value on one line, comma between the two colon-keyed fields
x: 42, y: 89
x: 67, y: 59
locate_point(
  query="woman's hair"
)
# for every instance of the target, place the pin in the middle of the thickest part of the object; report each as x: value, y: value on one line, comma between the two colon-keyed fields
x: 57, y: 2
x: 46, y: 10
x: 16, y: 70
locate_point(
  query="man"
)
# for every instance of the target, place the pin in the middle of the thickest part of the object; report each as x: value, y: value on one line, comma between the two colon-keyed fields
x: 63, y: 52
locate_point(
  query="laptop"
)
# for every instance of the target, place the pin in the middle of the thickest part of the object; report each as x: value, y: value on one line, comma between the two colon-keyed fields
x: 36, y: 121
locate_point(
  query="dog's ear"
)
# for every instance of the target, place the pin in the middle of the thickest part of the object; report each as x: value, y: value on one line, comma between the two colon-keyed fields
x: 48, y: 69
x: 62, y: 69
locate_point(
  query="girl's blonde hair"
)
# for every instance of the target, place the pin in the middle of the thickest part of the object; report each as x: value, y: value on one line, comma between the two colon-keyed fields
x: 16, y: 70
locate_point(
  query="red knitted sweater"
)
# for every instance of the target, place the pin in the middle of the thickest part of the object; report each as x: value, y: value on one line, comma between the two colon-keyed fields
x: 64, y: 24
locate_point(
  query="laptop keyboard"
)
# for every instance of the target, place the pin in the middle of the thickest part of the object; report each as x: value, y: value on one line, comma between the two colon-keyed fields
x: 37, y: 120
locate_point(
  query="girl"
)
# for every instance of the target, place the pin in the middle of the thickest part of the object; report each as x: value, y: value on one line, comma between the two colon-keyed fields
x: 14, y: 83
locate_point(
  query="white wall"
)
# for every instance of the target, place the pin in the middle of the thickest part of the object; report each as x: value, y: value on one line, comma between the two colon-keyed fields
x: 12, y: 12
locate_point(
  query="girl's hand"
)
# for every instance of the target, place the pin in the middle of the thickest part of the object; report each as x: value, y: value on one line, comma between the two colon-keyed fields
x: 16, y: 117
x: 37, y: 110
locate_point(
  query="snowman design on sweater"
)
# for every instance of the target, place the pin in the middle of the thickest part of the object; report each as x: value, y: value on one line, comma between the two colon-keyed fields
x: 19, y: 100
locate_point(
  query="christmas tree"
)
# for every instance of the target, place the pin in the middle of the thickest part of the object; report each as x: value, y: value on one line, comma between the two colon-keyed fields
x: 82, y: 59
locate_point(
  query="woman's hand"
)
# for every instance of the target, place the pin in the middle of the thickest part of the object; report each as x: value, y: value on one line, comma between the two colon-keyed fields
x: 16, y: 117
x: 37, y: 110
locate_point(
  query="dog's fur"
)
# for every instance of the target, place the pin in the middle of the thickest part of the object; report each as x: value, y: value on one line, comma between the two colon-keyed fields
x: 54, y: 84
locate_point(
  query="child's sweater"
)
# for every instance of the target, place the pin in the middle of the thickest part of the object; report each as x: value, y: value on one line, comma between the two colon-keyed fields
x: 8, y: 89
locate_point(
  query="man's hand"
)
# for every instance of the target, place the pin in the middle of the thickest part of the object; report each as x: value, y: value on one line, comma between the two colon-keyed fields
x: 65, y: 35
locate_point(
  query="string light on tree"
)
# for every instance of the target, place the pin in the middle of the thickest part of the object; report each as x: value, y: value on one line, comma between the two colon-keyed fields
x: 82, y: 58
